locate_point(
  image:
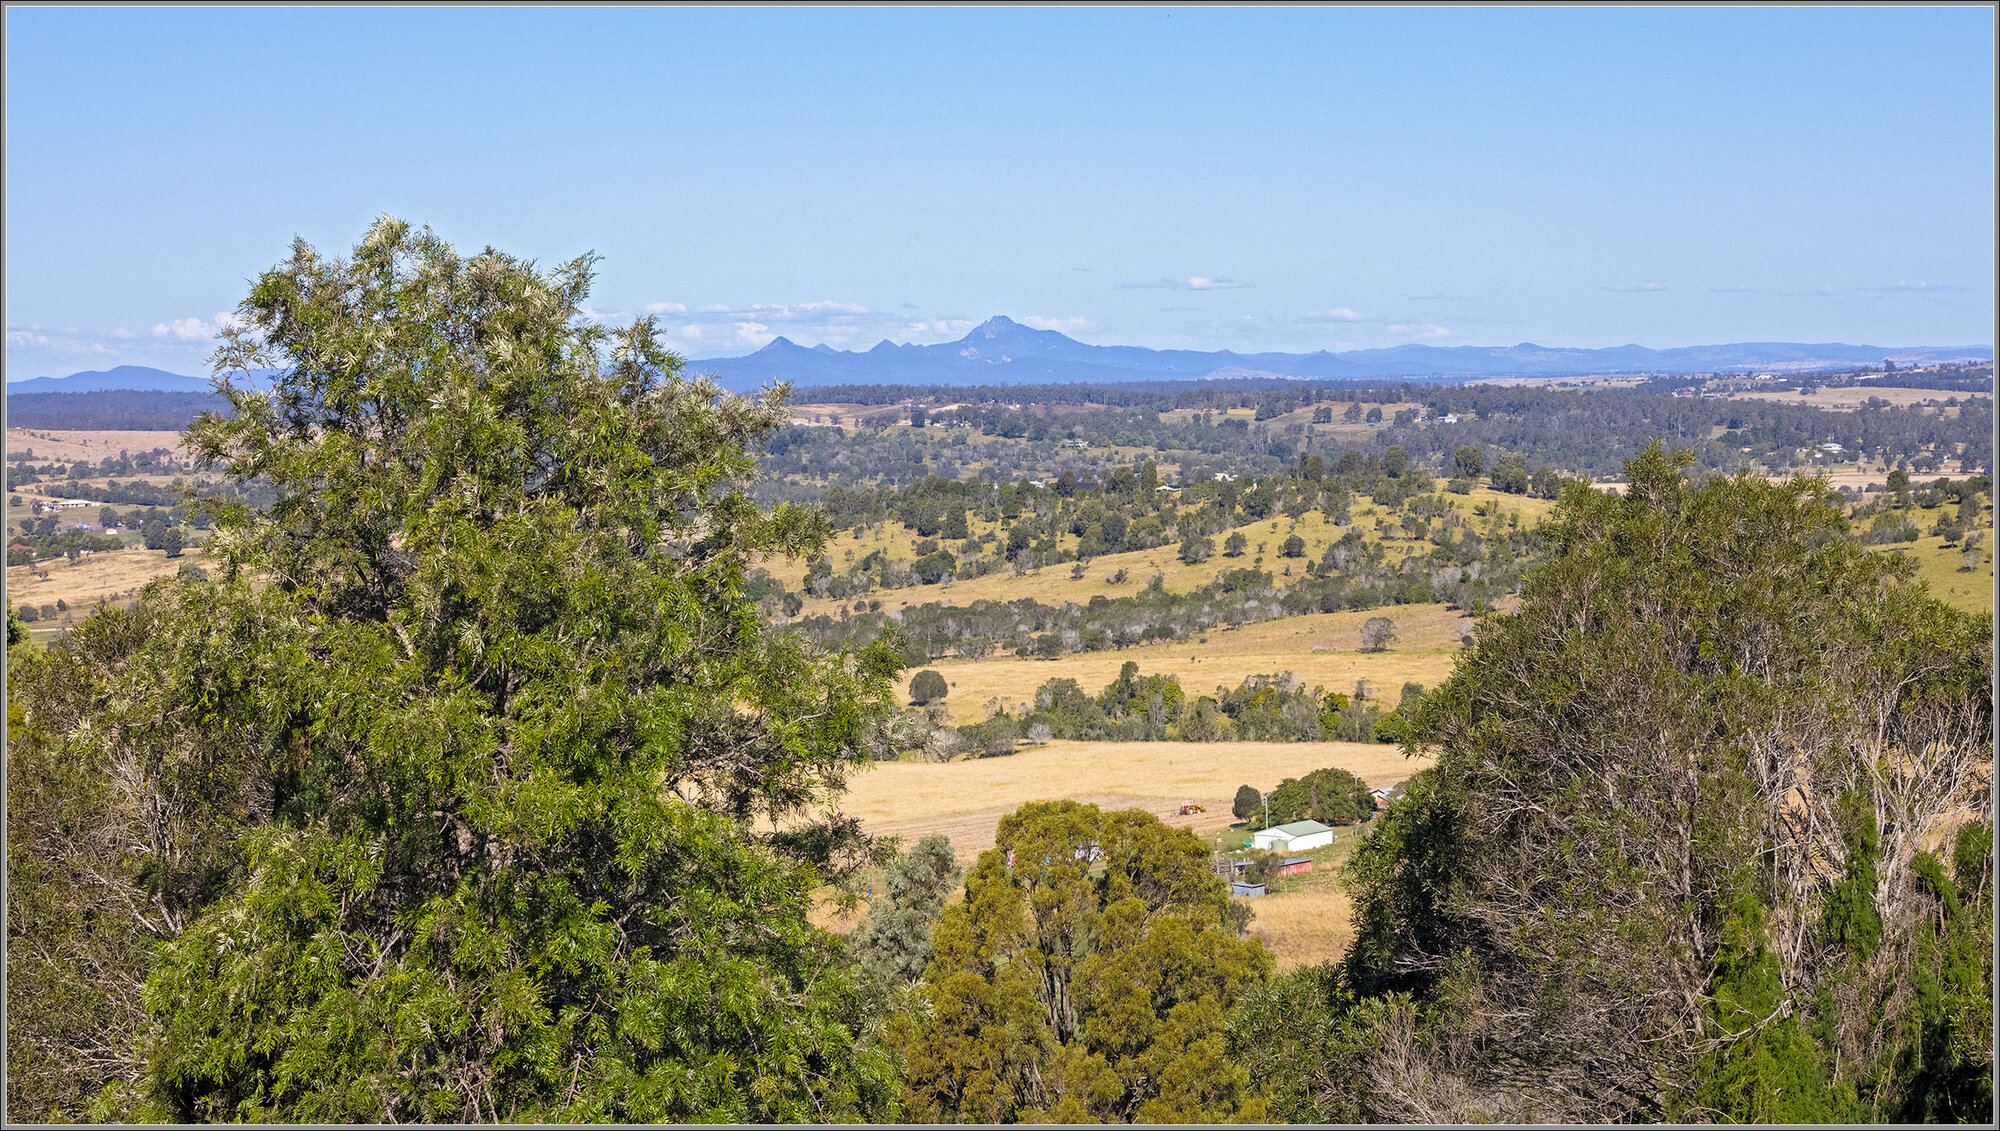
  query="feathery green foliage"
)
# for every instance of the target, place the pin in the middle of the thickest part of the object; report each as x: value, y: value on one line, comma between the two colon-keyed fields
x: 1088, y: 980
x: 470, y: 758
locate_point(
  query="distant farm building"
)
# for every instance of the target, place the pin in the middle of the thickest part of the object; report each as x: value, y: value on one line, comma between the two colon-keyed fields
x: 1295, y: 865
x: 1298, y: 836
x: 1246, y: 890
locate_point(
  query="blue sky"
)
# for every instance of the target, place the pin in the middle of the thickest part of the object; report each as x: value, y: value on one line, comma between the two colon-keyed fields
x: 1268, y: 179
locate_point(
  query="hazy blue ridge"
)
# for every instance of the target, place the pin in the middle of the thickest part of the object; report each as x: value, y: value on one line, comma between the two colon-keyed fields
x: 132, y: 378
x: 1001, y: 351
x: 1004, y: 352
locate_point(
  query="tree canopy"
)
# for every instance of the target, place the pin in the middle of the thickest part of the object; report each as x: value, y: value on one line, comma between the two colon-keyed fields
x: 472, y: 788
x: 1702, y: 842
x: 1086, y: 978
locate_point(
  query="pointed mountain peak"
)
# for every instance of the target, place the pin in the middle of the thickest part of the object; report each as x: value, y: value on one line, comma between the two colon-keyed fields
x: 779, y: 342
x: 994, y: 327
x: 823, y: 348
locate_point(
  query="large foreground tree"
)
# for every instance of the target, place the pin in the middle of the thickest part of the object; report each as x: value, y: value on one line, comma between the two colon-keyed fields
x: 1705, y: 840
x: 454, y: 796
x: 1086, y: 978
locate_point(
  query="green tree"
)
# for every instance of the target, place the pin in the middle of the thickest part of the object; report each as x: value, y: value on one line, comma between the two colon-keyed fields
x: 1196, y: 548
x: 894, y: 942
x: 927, y: 687
x: 1652, y: 874
x: 1377, y: 633
x: 1232, y: 546
x: 1249, y: 803
x: 1292, y: 547
x: 494, y: 802
x: 1331, y: 796
x: 1088, y: 980
x: 1469, y: 461
x: 1510, y: 474
x: 1395, y: 461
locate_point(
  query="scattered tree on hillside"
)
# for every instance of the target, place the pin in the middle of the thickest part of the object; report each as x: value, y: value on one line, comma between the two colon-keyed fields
x: 927, y: 687
x: 1468, y: 462
x: 1377, y: 633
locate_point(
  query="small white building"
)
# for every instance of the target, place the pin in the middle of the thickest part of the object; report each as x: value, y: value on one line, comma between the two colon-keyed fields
x: 1299, y: 836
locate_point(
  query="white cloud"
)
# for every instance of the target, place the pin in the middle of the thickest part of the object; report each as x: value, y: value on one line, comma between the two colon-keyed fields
x: 1191, y: 283
x: 1338, y: 314
x: 184, y: 329
x: 1059, y: 325
x: 193, y: 329
x: 25, y: 338
x: 1422, y: 331
x: 666, y: 308
x: 1647, y: 287
x: 945, y: 327
x: 1820, y: 291
x: 752, y: 333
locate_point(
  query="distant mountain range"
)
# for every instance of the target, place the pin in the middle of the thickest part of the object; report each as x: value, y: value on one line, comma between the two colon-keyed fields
x: 132, y: 378
x: 1001, y: 351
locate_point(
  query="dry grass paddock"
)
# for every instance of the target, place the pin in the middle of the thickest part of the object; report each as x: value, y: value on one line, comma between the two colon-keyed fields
x: 1320, y: 648
x: 72, y: 444
x: 1849, y: 398
x: 1305, y: 921
x: 1054, y: 584
x: 965, y: 800
x: 113, y: 576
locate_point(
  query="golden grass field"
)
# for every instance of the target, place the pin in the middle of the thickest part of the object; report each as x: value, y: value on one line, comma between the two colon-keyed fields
x: 112, y: 577
x: 66, y: 444
x: 1320, y: 648
x: 1849, y: 398
x: 965, y: 800
x: 1307, y: 920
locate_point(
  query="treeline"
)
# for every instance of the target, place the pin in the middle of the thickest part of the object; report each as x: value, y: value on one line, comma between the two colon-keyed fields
x: 122, y: 410
x: 1155, y: 708
x: 1031, y: 628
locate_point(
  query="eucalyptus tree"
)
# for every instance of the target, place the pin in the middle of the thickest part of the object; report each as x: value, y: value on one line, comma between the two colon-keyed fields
x: 472, y: 788
x: 1703, y: 842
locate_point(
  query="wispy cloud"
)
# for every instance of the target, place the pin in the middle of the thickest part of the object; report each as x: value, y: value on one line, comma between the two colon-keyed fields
x: 1059, y: 325
x: 1418, y: 331
x: 1820, y: 291
x: 1916, y: 287
x: 1647, y: 287
x: 1191, y: 283
x: 1732, y: 290
x: 1338, y: 314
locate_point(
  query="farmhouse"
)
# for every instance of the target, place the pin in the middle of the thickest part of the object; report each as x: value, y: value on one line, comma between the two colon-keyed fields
x: 1295, y: 837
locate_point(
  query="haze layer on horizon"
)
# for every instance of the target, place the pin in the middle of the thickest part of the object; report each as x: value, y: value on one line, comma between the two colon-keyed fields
x: 1278, y: 179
